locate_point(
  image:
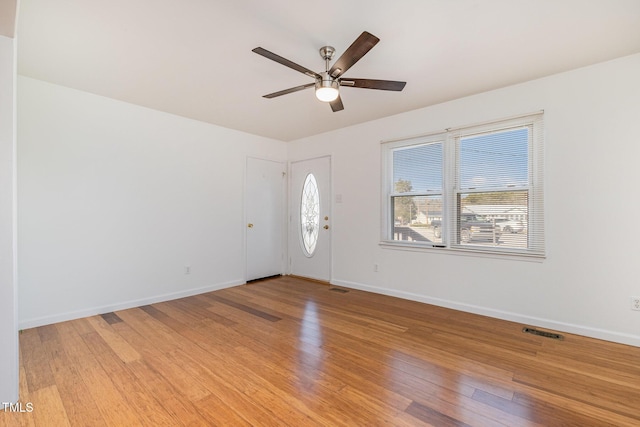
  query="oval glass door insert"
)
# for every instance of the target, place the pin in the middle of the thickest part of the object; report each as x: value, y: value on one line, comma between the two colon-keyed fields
x: 309, y: 215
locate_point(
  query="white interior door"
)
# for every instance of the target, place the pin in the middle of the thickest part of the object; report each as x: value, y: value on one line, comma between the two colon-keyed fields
x: 265, y: 218
x: 310, y: 219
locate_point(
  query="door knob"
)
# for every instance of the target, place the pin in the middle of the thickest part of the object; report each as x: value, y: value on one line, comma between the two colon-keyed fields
x: 250, y: 225
x: 326, y: 227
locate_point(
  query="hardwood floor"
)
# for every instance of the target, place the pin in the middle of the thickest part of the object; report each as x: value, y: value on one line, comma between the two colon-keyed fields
x: 287, y: 352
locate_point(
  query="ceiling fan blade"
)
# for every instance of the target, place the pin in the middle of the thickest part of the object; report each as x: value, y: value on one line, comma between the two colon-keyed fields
x: 290, y: 90
x: 357, y: 50
x: 373, y: 84
x: 284, y: 61
x: 336, y: 105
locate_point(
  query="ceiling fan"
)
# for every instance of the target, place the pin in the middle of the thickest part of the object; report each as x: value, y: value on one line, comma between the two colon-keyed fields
x: 328, y: 82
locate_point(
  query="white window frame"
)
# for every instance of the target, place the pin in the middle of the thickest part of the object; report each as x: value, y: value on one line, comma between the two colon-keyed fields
x: 450, y: 139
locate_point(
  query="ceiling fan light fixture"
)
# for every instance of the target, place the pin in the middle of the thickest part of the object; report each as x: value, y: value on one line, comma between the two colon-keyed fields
x: 326, y: 88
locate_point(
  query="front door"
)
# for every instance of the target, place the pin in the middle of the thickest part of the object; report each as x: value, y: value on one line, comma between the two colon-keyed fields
x: 265, y: 208
x: 310, y: 219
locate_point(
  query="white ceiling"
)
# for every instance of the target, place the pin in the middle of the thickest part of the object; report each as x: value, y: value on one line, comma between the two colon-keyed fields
x: 193, y: 57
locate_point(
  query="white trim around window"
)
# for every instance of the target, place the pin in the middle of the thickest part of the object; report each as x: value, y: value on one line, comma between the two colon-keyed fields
x: 472, y: 189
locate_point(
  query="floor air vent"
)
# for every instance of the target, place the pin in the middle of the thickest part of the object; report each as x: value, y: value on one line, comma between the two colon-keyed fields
x: 540, y: 333
x: 342, y: 291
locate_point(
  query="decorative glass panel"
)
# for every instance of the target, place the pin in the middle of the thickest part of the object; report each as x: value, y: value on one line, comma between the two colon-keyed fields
x: 309, y: 215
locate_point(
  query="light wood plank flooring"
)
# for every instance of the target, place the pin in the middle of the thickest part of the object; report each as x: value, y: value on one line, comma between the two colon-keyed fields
x: 288, y: 352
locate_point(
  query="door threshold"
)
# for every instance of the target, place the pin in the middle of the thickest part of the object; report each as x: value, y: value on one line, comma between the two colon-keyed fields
x: 261, y: 279
x: 309, y: 279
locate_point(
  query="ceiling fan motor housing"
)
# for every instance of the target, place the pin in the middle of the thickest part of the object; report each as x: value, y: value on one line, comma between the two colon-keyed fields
x: 326, y: 87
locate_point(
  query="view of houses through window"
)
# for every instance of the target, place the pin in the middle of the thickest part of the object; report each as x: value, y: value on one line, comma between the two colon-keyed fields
x: 485, y: 219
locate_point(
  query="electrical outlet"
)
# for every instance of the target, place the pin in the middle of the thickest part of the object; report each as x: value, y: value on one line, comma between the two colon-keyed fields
x: 187, y: 269
x: 375, y: 267
x: 635, y: 303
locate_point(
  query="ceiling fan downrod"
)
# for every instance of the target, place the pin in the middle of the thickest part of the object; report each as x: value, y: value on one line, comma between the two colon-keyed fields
x: 327, y: 52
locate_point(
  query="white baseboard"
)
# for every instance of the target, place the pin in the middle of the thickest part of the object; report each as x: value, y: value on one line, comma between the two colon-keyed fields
x: 587, y: 331
x: 63, y: 317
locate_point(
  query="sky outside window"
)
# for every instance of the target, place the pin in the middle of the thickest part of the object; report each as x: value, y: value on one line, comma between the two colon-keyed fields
x: 495, y: 160
x: 421, y: 166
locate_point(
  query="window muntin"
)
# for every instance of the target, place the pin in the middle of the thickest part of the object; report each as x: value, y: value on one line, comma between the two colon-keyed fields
x: 309, y: 215
x: 494, y: 199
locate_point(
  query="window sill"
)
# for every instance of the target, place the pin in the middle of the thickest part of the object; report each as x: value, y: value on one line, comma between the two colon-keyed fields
x: 483, y: 253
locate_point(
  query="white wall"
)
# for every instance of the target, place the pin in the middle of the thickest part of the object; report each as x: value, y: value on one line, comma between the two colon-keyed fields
x: 8, y: 298
x: 591, y: 203
x: 114, y: 200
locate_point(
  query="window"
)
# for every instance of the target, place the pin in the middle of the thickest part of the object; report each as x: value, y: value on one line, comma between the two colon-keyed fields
x: 476, y: 188
x: 416, y: 193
